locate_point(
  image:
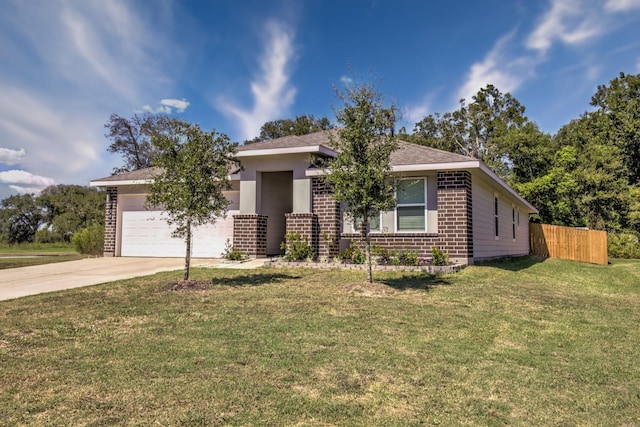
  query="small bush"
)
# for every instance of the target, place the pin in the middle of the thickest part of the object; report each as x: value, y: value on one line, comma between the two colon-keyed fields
x: 354, y: 254
x: 623, y: 245
x: 383, y: 255
x: 439, y: 257
x: 232, y: 253
x: 407, y: 257
x: 296, y: 248
x: 46, y: 236
x: 89, y: 240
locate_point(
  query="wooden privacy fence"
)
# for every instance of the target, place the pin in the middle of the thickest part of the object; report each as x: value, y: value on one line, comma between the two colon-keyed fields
x: 576, y: 244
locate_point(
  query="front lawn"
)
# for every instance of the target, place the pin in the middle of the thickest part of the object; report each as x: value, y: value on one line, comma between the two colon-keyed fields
x: 507, y: 343
x: 27, y: 254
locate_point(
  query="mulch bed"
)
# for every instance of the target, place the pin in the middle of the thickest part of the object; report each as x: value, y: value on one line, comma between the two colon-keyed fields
x: 190, y: 285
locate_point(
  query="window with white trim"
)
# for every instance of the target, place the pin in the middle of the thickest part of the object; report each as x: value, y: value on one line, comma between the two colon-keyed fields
x: 496, y: 211
x: 411, y: 210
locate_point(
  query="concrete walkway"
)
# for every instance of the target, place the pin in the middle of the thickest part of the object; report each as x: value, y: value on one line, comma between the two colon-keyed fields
x: 19, y: 282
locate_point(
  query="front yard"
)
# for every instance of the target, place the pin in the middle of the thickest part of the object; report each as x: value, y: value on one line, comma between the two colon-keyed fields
x: 507, y: 343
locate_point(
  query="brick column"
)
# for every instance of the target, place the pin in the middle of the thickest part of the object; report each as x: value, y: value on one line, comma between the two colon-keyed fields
x: 110, y: 222
x: 250, y: 234
x: 305, y: 224
x: 328, y: 218
x: 455, y: 227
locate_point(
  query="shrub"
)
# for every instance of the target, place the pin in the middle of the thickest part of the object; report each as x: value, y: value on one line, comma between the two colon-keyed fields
x: 46, y: 236
x: 439, y: 257
x: 407, y: 257
x: 623, y: 245
x: 354, y: 254
x: 296, y: 248
x: 232, y: 253
x: 383, y: 255
x: 89, y: 240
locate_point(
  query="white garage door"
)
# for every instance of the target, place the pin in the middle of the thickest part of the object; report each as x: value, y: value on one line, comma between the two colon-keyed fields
x: 146, y: 233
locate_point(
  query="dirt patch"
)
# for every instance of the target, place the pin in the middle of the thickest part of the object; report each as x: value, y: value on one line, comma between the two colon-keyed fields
x: 366, y: 289
x: 189, y: 285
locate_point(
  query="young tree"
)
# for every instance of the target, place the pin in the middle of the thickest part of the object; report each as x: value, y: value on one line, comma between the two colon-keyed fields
x: 360, y: 172
x: 195, y: 173
x: 132, y: 138
x: 19, y: 218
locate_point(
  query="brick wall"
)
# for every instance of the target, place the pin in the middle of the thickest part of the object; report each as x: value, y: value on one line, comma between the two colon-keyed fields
x: 328, y: 218
x: 110, y: 222
x: 455, y: 227
x: 455, y: 232
x: 250, y: 234
x: 305, y: 224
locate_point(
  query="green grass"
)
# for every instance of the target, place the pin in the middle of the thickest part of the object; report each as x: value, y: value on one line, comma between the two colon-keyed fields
x: 27, y: 254
x: 37, y: 249
x: 505, y: 343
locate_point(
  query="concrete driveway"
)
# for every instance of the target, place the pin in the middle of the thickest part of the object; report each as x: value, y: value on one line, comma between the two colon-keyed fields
x: 19, y: 282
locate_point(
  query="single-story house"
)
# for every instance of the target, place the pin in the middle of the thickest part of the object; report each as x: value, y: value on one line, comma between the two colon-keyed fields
x: 444, y: 199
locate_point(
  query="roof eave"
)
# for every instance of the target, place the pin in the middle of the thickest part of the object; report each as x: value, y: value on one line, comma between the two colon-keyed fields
x: 311, y: 149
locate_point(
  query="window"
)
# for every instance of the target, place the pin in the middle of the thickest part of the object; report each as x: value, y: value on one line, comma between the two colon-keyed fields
x: 411, y: 209
x: 374, y: 224
x: 513, y: 222
x: 495, y: 214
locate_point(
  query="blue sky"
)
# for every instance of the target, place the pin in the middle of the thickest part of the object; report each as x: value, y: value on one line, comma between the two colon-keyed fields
x: 232, y: 65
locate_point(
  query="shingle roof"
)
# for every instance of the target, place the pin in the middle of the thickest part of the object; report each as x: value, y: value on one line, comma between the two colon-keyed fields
x: 407, y: 153
x: 137, y: 175
x: 293, y: 141
x: 414, y: 154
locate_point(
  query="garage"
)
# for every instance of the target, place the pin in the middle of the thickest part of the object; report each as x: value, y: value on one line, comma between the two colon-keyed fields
x: 145, y: 233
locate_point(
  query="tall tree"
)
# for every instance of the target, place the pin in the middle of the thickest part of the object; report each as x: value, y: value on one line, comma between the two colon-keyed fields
x: 360, y: 171
x: 301, y: 125
x: 132, y: 138
x: 477, y: 129
x: 19, y: 218
x: 69, y: 208
x: 619, y: 104
x: 195, y: 174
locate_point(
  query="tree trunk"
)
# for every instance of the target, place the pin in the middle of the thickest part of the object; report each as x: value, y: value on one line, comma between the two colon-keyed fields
x: 187, y: 258
x: 367, y: 251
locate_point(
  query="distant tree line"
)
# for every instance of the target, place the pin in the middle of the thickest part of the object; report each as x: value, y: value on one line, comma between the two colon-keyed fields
x: 55, y: 215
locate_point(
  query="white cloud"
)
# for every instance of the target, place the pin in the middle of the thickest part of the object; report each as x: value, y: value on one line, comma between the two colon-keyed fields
x: 574, y: 22
x: 499, y: 68
x: 346, y: 80
x: 72, y: 65
x: 271, y: 90
x: 621, y: 5
x: 167, y: 105
x: 25, y: 182
x: 179, y: 104
x: 568, y: 21
x: 11, y: 157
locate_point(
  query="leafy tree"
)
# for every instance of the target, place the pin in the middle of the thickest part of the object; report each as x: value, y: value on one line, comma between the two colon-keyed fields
x: 132, y: 138
x: 360, y: 171
x: 586, y: 184
x: 301, y: 125
x: 69, y: 208
x: 19, y: 218
x: 619, y: 104
x: 195, y: 173
x: 478, y: 129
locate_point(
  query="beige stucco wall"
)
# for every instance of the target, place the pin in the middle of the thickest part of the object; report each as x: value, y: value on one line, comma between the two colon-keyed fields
x: 250, y: 186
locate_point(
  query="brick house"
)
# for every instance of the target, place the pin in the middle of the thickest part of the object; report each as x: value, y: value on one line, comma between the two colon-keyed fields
x: 444, y: 199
